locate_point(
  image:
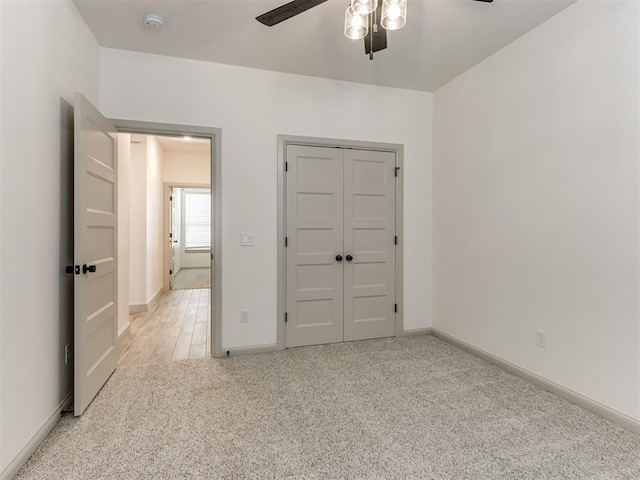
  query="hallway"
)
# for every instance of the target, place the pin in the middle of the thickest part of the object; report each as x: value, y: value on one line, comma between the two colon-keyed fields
x: 177, y: 328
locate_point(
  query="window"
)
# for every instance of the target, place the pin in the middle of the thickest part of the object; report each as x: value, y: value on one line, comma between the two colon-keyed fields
x: 197, y: 220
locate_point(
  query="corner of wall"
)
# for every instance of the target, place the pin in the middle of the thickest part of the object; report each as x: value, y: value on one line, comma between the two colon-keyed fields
x: 537, y: 203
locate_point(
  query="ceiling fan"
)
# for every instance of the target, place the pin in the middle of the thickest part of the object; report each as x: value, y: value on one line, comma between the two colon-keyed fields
x: 362, y: 19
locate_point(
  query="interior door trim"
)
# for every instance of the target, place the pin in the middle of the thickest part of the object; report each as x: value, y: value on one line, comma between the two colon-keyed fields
x: 215, y: 135
x: 398, y: 149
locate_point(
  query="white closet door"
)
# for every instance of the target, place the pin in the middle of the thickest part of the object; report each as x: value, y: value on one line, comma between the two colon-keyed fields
x: 315, y: 245
x: 369, y: 238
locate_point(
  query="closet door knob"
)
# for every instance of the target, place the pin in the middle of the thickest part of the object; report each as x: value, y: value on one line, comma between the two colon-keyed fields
x: 349, y: 258
x: 338, y: 258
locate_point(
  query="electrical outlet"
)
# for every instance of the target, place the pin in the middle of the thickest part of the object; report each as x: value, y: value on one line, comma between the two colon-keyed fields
x: 541, y: 338
x: 67, y: 353
x: 244, y: 316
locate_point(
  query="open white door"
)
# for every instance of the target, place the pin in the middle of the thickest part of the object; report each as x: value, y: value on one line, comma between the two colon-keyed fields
x: 173, y: 238
x: 95, y: 250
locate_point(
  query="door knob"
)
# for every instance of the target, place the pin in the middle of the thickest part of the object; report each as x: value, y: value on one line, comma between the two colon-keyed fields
x: 88, y: 268
x: 349, y: 258
x: 339, y: 258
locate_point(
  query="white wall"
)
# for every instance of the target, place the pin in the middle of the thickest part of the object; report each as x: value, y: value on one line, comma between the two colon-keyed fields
x: 146, y: 237
x: 536, y: 203
x: 155, y: 233
x: 2, y: 460
x: 137, y: 223
x: 187, y: 168
x: 195, y: 259
x: 124, y: 187
x: 47, y: 54
x: 252, y: 107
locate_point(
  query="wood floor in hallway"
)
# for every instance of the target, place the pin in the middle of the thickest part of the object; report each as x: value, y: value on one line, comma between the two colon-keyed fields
x: 177, y: 328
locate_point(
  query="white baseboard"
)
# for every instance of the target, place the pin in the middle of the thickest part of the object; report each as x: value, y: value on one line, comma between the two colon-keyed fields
x: 273, y: 347
x: 145, y: 307
x: 583, y: 401
x: 137, y: 308
x: 32, y: 445
x: 413, y: 332
x: 268, y: 348
x: 154, y: 299
x: 124, y: 335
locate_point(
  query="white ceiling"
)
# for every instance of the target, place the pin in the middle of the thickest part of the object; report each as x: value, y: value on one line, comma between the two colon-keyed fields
x: 180, y: 145
x: 177, y: 144
x: 442, y: 38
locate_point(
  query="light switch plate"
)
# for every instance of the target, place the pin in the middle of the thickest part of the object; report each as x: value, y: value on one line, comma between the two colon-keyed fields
x: 246, y: 239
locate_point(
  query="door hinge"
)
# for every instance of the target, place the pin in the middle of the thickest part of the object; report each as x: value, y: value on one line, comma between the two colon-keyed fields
x: 171, y: 199
x: 286, y: 315
x: 395, y: 307
x: 395, y: 240
x: 171, y: 235
x: 68, y: 352
x: 212, y: 256
x: 397, y: 168
x: 170, y: 272
x: 286, y: 241
x: 286, y: 166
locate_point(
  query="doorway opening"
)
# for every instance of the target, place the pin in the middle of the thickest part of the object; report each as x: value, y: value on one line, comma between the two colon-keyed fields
x: 105, y: 180
x: 189, y: 238
x: 167, y: 238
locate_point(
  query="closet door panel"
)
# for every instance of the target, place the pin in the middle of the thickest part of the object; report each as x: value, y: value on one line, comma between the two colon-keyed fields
x: 369, y: 238
x: 315, y: 279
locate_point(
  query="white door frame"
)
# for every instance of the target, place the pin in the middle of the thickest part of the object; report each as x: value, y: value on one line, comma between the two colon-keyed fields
x: 166, y: 217
x: 215, y: 136
x: 398, y: 149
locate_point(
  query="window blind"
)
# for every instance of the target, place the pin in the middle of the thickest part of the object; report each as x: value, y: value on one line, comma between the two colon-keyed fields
x: 197, y: 220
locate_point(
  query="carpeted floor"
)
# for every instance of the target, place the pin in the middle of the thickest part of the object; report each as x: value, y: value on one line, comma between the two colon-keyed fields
x: 412, y: 408
x: 192, y: 278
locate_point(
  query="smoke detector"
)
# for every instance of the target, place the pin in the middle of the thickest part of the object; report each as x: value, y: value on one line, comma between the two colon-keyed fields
x: 152, y: 20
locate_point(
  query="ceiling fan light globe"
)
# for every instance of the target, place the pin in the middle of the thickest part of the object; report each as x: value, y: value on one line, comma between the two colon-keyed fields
x: 356, y: 34
x: 364, y: 7
x: 355, y: 27
x: 394, y: 14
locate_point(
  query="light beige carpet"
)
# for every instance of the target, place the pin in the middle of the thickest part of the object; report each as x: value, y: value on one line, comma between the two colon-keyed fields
x: 192, y: 278
x: 411, y: 408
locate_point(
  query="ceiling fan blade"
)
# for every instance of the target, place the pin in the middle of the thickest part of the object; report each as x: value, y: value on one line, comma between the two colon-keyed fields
x: 377, y: 40
x: 287, y: 11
